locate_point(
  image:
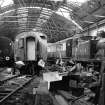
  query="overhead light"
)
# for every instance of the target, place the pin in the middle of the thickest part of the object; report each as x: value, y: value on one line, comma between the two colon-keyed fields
x: 16, y: 40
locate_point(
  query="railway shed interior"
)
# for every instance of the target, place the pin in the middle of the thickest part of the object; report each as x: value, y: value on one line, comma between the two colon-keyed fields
x: 52, y: 51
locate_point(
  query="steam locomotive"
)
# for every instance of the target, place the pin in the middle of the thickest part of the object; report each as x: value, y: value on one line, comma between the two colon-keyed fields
x: 30, y: 47
x: 6, y: 52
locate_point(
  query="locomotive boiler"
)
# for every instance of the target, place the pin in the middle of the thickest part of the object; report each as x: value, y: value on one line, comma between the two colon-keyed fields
x: 6, y: 52
x: 30, y: 47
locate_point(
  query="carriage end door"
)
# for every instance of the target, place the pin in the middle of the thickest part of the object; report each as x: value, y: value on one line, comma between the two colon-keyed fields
x: 30, y: 48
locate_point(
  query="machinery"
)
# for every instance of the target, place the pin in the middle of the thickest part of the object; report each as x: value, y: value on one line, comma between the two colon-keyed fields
x: 88, y: 77
x: 30, y: 47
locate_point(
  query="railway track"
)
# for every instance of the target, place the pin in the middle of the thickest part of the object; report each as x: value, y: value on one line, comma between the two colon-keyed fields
x: 9, y: 78
x: 11, y: 91
x: 10, y: 88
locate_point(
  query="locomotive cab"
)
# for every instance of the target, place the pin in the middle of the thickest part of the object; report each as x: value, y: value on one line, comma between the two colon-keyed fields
x: 6, y: 52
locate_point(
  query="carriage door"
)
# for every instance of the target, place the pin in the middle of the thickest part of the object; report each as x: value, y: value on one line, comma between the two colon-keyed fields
x: 30, y: 48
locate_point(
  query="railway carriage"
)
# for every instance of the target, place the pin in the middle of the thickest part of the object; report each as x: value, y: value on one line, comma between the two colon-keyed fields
x: 85, y: 49
x: 30, y: 47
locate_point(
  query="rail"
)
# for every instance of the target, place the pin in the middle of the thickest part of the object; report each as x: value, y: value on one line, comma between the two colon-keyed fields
x: 21, y: 86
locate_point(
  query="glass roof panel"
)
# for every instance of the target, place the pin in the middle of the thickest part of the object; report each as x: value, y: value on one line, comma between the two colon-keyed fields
x: 42, y: 17
x: 65, y: 12
x: 77, y: 2
x: 4, y: 3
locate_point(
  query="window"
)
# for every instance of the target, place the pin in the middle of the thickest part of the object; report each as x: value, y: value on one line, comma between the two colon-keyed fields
x: 20, y: 43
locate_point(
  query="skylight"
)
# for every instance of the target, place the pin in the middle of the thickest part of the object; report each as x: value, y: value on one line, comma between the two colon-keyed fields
x: 74, y: 1
x: 4, y: 3
x: 65, y: 12
x: 77, y: 2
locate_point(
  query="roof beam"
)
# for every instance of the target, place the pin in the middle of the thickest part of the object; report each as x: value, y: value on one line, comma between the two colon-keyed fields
x: 100, y: 16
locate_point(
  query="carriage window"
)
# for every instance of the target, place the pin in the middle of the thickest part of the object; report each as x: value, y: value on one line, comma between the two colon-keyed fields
x: 21, y: 43
x: 43, y: 37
